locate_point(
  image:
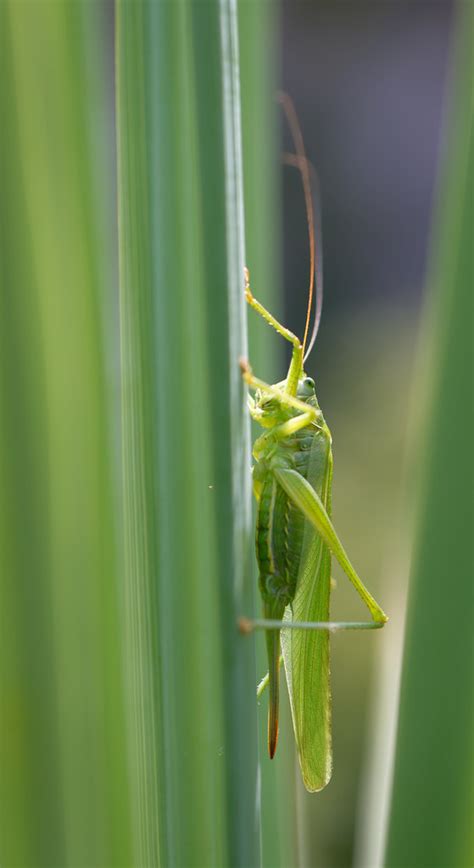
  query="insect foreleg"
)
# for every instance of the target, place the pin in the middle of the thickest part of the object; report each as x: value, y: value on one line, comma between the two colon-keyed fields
x: 284, y: 397
x: 268, y: 317
x: 306, y: 499
x: 296, y: 365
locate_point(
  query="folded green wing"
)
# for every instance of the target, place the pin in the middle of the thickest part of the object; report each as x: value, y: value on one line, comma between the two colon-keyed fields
x: 306, y: 653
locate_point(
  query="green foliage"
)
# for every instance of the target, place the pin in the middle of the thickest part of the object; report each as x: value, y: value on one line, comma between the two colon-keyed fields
x: 128, y: 721
x: 191, y: 677
x: 63, y: 793
x: 156, y: 764
x: 431, y: 816
x: 258, y: 31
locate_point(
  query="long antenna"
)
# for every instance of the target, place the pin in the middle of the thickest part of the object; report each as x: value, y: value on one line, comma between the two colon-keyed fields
x: 295, y: 161
x: 301, y: 162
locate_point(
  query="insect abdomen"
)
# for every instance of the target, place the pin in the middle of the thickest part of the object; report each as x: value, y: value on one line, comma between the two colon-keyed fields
x: 302, y: 442
x: 280, y: 529
x: 272, y: 541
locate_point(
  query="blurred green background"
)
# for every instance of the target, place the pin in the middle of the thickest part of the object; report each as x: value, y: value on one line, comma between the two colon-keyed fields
x: 140, y: 168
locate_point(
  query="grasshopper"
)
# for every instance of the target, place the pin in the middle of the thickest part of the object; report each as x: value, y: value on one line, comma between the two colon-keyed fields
x: 295, y: 538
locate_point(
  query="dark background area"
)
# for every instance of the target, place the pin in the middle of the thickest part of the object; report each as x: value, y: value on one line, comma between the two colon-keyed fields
x: 368, y: 81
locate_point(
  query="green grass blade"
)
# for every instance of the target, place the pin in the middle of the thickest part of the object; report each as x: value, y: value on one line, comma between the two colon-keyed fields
x: 258, y: 28
x: 191, y: 677
x: 432, y: 801
x: 63, y: 792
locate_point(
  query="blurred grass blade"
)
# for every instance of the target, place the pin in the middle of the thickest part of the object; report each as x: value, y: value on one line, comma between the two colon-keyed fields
x: 432, y: 803
x: 191, y: 678
x: 63, y: 793
x: 259, y: 39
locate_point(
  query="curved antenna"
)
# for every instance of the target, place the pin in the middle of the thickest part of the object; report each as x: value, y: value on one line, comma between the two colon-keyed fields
x: 318, y: 264
x: 295, y: 161
x: 303, y: 165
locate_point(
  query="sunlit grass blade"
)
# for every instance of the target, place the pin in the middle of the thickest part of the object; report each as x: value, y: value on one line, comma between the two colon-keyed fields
x: 432, y: 802
x: 63, y: 792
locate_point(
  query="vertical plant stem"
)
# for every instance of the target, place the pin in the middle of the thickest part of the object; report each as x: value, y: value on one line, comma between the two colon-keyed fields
x: 432, y: 802
x: 258, y: 23
x: 191, y: 677
x: 63, y: 787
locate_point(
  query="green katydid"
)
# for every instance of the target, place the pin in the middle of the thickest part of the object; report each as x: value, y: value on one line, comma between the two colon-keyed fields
x: 295, y: 537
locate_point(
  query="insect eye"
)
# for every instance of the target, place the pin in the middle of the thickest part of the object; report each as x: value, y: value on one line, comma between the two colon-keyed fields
x: 309, y: 383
